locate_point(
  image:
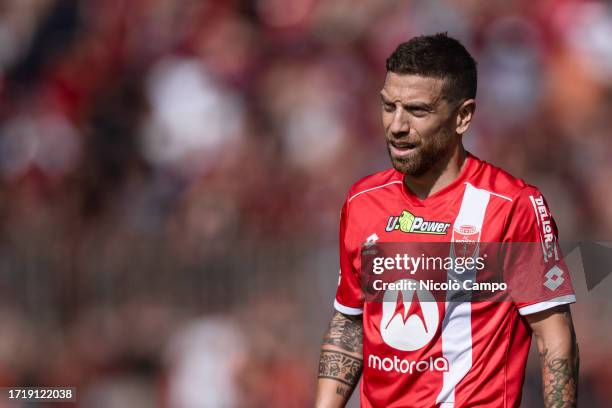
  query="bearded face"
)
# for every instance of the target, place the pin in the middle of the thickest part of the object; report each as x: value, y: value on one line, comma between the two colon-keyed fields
x: 418, y: 122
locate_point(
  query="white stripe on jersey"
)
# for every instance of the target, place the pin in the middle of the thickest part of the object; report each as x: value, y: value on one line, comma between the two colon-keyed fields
x: 352, y: 311
x: 492, y: 193
x: 548, y: 304
x: 457, y: 324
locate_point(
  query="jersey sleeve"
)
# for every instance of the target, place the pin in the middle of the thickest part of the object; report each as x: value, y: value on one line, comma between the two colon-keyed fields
x: 349, y: 298
x: 533, y: 265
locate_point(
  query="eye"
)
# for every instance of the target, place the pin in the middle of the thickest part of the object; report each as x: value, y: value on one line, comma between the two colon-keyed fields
x: 388, y: 107
x: 419, y: 112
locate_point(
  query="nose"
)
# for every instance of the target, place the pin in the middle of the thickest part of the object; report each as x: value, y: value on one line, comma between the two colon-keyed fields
x: 399, y: 124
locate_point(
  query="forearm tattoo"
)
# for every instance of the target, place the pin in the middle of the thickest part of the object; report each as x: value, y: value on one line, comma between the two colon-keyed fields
x: 340, y: 367
x: 345, y: 332
x: 559, y: 380
x: 560, y: 374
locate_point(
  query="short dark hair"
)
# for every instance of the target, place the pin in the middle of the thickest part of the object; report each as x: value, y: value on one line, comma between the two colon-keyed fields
x: 437, y: 56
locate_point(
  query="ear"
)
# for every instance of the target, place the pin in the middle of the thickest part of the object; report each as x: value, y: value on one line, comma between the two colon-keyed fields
x: 465, y: 113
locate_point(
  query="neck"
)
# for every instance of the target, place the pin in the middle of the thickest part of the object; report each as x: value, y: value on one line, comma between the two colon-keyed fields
x: 441, y: 175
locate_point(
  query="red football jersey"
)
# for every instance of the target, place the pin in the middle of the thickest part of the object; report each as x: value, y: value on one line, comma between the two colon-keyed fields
x: 422, y: 351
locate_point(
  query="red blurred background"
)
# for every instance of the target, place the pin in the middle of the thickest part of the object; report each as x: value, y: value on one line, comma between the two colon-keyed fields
x: 171, y: 176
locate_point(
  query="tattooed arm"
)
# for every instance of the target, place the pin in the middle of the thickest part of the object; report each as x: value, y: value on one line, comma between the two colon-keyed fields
x: 341, y: 361
x: 558, y: 349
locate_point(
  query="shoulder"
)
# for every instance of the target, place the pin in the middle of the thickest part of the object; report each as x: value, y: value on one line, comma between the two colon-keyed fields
x: 501, y: 183
x: 374, y: 183
x: 519, y: 206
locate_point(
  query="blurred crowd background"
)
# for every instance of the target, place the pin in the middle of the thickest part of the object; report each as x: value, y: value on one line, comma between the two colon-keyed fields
x: 172, y: 172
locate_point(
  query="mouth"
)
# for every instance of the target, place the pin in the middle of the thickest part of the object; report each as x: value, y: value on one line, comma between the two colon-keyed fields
x: 402, y: 149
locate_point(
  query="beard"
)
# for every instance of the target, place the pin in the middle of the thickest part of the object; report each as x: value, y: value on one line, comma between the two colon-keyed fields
x: 424, y: 157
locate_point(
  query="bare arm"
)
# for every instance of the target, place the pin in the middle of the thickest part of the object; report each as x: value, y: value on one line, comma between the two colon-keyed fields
x: 340, y: 362
x: 558, y: 349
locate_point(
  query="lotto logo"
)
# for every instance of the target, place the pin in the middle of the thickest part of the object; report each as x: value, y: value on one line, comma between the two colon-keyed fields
x: 554, y: 278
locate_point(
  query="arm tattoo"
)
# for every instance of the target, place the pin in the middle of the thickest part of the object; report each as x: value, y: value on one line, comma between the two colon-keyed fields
x: 560, y: 378
x: 560, y: 372
x: 340, y: 367
x: 345, y: 332
x: 344, y: 365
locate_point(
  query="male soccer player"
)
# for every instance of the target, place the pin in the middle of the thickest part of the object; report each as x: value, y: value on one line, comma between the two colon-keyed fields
x: 443, y: 354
